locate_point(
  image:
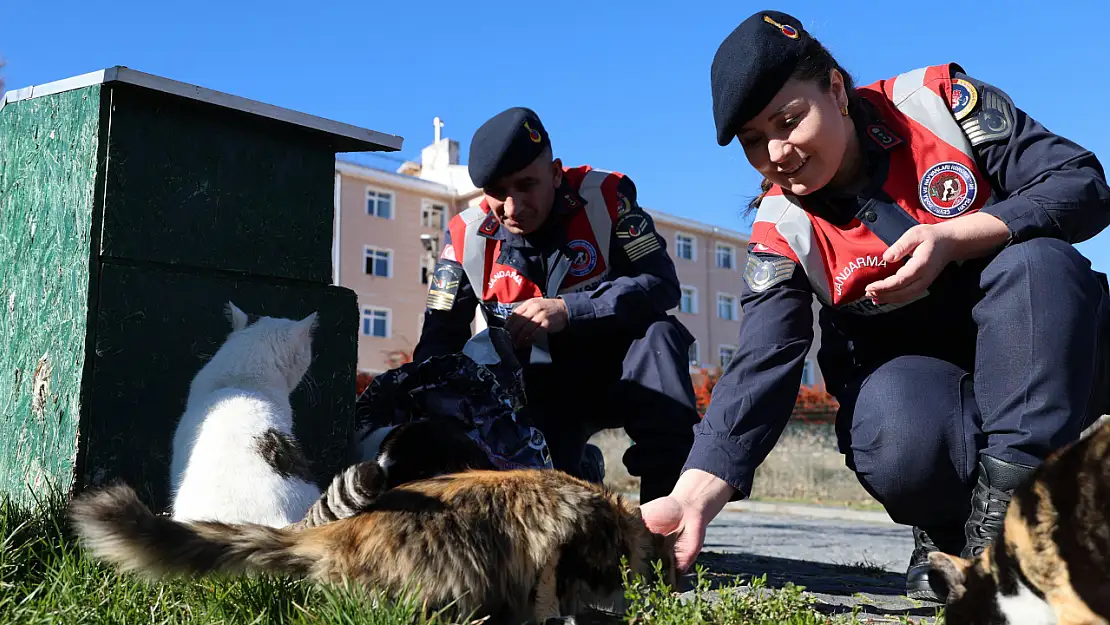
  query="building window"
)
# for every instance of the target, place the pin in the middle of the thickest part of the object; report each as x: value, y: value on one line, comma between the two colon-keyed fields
x: 695, y: 357
x: 808, y: 377
x: 689, y: 302
x: 379, y: 203
x: 684, y: 246
x: 378, y: 262
x: 375, y: 322
x: 726, y: 306
x: 726, y: 256
x: 434, y: 216
x: 727, y: 353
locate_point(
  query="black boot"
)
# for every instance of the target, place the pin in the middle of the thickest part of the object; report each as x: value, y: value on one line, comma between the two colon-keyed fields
x: 593, y: 464
x: 994, y: 487
x: 919, y: 585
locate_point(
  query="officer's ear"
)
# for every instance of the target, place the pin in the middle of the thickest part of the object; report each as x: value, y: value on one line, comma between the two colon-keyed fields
x: 838, y: 88
x: 557, y: 172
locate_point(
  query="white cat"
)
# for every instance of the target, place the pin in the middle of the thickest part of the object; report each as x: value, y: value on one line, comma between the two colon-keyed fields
x: 234, y: 455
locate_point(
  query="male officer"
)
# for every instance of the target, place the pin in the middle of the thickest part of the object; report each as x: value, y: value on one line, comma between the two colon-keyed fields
x: 567, y: 262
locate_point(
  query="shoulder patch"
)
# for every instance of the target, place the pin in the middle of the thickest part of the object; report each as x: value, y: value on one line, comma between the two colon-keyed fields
x: 443, y: 286
x: 762, y: 273
x: 623, y: 205
x: 964, y: 98
x: 992, y: 122
x: 448, y: 253
x: 490, y: 226
x: 638, y: 237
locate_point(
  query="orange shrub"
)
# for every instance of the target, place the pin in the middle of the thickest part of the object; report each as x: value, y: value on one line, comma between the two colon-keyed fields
x: 813, y: 404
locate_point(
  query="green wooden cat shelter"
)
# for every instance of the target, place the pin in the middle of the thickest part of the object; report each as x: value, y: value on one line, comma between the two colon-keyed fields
x: 132, y: 208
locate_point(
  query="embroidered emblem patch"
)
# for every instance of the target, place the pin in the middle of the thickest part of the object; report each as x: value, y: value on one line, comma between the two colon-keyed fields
x: 623, y: 205
x: 883, y: 136
x: 947, y: 189
x: 534, y: 135
x: 443, y: 286
x: 993, y: 121
x: 785, y: 29
x: 637, y: 236
x: 964, y: 98
x: 584, y: 259
x: 448, y: 253
x: 763, y: 273
x: 489, y: 226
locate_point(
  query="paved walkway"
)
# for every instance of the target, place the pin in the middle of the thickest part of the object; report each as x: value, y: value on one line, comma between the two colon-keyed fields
x: 843, y: 558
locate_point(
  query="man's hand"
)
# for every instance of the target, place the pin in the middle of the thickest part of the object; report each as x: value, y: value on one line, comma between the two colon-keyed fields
x: 933, y: 246
x: 535, y: 315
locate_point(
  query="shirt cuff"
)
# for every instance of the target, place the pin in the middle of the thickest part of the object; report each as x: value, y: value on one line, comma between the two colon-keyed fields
x: 1024, y: 218
x: 579, y: 308
x: 725, y: 459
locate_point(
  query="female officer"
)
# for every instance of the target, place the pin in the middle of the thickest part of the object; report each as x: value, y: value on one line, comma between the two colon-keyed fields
x: 962, y: 334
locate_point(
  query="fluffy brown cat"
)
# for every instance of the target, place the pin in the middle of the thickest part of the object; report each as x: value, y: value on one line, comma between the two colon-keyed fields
x: 518, y: 546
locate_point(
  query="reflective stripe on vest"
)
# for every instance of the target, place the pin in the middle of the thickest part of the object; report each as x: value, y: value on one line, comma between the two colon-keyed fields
x: 474, y: 249
x: 792, y: 223
x: 914, y: 100
x: 921, y: 104
x: 597, y: 211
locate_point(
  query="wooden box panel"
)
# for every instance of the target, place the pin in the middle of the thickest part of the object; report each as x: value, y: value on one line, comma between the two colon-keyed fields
x: 156, y: 328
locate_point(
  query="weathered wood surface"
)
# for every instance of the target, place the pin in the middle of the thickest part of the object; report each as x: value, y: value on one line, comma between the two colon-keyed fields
x: 48, y: 169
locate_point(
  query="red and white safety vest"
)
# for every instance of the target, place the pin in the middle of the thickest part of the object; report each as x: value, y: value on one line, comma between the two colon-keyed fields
x: 588, y: 231
x: 932, y: 176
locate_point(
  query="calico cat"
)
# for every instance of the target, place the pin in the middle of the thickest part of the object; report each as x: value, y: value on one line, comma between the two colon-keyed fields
x: 520, y: 545
x: 235, y: 458
x: 1051, y: 562
x: 400, y: 454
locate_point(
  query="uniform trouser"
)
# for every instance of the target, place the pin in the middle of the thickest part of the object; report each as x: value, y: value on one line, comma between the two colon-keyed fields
x: 638, y: 382
x: 913, y: 427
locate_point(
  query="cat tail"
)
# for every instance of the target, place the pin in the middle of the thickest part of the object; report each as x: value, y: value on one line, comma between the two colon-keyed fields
x: 350, y: 492
x: 115, y: 526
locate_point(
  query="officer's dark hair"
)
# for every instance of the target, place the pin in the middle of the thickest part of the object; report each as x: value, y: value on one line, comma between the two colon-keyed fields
x: 815, y: 66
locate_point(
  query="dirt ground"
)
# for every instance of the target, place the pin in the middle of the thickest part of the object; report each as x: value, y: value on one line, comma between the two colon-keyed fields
x: 804, y: 466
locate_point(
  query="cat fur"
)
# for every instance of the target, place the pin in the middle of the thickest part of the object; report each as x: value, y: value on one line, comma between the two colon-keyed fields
x: 1051, y: 563
x: 235, y: 458
x: 517, y: 546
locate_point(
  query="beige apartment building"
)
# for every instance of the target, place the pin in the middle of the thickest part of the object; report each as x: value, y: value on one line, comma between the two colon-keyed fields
x: 389, y: 227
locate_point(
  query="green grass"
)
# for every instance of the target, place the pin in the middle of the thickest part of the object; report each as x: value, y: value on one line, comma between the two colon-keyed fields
x: 46, y: 579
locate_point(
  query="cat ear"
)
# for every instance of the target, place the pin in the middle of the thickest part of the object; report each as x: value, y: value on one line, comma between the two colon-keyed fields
x: 238, y: 318
x: 303, y: 329
x: 953, y: 570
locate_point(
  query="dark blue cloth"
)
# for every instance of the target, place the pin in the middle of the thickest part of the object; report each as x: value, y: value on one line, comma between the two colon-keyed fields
x: 639, y: 381
x: 486, y: 399
x: 1026, y: 323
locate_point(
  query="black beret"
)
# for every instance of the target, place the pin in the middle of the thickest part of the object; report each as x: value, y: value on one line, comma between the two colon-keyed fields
x: 506, y: 144
x: 750, y: 67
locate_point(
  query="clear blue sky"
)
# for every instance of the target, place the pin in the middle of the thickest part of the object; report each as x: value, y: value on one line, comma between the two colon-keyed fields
x: 620, y: 85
